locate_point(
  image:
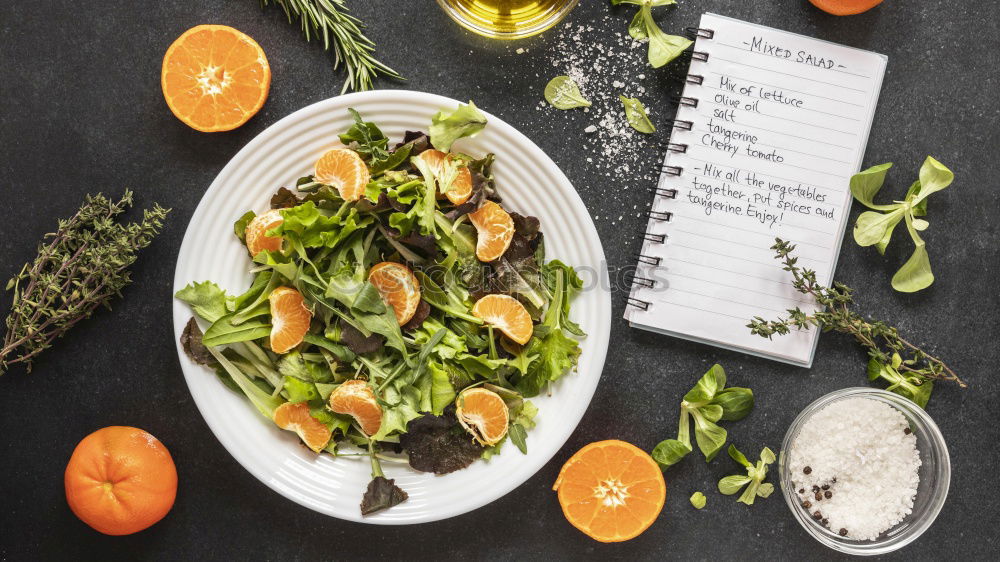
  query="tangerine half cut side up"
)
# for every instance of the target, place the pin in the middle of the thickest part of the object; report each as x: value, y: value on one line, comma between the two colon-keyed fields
x: 345, y: 170
x: 296, y: 417
x: 290, y: 319
x: 494, y: 229
x: 215, y: 78
x: 611, y: 490
x: 356, y: 399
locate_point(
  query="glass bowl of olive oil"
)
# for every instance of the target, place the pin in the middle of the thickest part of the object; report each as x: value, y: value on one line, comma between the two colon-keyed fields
x: 507, y: 19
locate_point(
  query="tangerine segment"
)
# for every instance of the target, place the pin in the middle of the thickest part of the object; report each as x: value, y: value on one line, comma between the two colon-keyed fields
x: 845, y: 7
x: 120, y: 480
x: 461, y: 185
x: 398, y: 287
x: 611, y: 490
x: 215, y: 78
x: 495, y: 230
x: 356, y: 399
x: 483, y: 414
x: 256, y: 232
x: 289, y: 319
x: 344, y: 169
x: 506, y: 314
x: 296, y: 417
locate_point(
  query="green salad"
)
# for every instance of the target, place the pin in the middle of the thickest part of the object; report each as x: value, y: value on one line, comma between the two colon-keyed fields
x: 396, y: 307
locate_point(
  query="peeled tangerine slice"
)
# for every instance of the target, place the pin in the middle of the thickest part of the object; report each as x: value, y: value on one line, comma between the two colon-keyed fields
x: 461, y: 185
x: 483, y: 414
x: 256, y: 232
x: 295, y: 417
x: 507, y: 315
x: 495, y: 230
x: 289, y: 319
x: 398, y: 287
x: 345, y: 170
x: 356, y: 399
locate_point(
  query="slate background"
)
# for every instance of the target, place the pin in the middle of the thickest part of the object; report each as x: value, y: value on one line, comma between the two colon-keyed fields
x: 81, y: 111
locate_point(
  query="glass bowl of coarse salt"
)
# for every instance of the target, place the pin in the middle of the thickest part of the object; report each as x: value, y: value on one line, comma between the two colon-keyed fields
x: 865, y: 471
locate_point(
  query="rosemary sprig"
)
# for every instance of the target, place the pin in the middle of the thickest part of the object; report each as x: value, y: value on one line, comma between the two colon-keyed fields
x: 79, y: 267
x: 909, y: 370
x: 329, y: 19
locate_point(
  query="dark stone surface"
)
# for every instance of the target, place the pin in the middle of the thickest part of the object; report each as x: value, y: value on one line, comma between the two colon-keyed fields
x: 81, y: 111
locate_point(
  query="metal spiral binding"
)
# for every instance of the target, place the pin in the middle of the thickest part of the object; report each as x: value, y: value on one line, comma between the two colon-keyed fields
x: 643, y: 281
x: 684, y: 100
x: 677, y: 147
x: 665, y: 193
x: 672, y: 170
x: 696, y: 79
x: 699, y: 56
x: 654, y: 238
x: 638, y: 303
x: 662, y: 216
x: 695, y: 32
x: 648, y: 260
x: 681, y: 124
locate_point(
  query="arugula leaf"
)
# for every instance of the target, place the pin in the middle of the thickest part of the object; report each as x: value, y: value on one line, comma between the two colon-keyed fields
x: 206, y: 299
x: 635, y: 114
x: 563, y: 93
x: 366, y: 139
x: 446, y: 128
x: 265, y: 403
x: 224, y: 331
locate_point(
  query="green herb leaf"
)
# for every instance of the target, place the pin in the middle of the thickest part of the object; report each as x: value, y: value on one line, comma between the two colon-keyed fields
x: 698, y: 500
x: 710, y: 437
x: 664, y: 48
x: 446, y: 128
x: 711, y: 382
x: 916, y: 272
x: 874, y: 227
x: 737, y: 456
x: 866, y: 184
x: 563, y: 93
x: 669, y: 452
x: 767, y: 456
x: 223, y: 331
x: 736, y: 402
x: 240, y: 226
x: 934, y: 176
x: 732, y: 484
x: 518, y: 437
x: 635, y: 114
x: 207, y: 300
x: 765, y: 489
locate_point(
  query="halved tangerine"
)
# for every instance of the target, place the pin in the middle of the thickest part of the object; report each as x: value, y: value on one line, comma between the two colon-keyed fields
x: 296, y: 417
x: 461, y: 185
x: 845, y: 7
x: 483, y: 413
x: 398, y: 286
x: 344, y: 169
x: 215, y: 78
x: 356, y: 399
x: 289, y: 319
x: 507, y: 315
x: 611, y: 490
x: 256, y: 233
x: 494, y: 228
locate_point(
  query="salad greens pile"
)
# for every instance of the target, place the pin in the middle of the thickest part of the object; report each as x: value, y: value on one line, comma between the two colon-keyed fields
x: 418, y: 370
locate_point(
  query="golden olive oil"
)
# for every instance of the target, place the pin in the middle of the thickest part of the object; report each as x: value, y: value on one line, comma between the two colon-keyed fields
x: 508, y: 19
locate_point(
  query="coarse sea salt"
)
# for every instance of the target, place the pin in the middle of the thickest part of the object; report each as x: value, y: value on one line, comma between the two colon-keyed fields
x: 855, y: 463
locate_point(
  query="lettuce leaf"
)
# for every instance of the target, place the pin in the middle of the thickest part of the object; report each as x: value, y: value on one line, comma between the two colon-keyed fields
x: 447, y: 127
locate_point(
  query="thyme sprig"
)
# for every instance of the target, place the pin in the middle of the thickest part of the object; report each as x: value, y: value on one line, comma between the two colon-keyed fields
x: 908, y: 369
x: 330, y: 20
x: 78, y: 268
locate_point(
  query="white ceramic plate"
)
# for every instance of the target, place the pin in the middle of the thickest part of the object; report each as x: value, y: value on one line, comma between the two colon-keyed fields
x: 529, y: 182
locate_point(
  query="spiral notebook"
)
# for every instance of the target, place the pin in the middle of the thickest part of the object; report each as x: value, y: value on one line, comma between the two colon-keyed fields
x: 769, y: 128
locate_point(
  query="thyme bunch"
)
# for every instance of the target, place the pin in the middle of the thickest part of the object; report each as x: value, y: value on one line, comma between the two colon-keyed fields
x: 909, y: 370
x: 330, y: 20
x: 78, y: 268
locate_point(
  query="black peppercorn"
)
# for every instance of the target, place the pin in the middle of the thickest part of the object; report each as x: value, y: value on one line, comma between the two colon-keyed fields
x: 817, y: 515
x: 815, y: 489
x: 825, y: 522
x: 828, y: 494
x: 807, y: 470
x: 843, y: 532
x: 826, y: 486
x: 834, y: 480
x: 907, y: 431
x: 802, y: 490
x: 818, y: 496
x: 807, y: 504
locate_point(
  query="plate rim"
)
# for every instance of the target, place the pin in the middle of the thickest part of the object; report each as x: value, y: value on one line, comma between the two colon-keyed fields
x: 599, y: 337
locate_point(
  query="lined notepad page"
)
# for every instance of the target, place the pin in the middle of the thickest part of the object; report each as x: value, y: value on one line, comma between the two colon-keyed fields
x: 780, y: 126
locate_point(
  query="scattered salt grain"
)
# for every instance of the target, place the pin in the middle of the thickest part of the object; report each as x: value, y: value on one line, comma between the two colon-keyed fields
x: 590, y: 129
x: 618, y: 84
x: 855, y: 468
x: 521, y: 50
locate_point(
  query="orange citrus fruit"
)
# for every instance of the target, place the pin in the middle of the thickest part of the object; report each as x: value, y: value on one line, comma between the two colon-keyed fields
x: 256, y: 233
x: 611, y: 490
x: 344, y: 169
x: 494, y: 228
x: 356, y: 399
x: 397, y: 285
x: 295, y: 417
x: 120, y: 480
x: 461, y: 186
x: 507, y: 315
x: 845, y: 7
x: 483, y: 414
x: 215, y: 78
x: 289, y: 319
